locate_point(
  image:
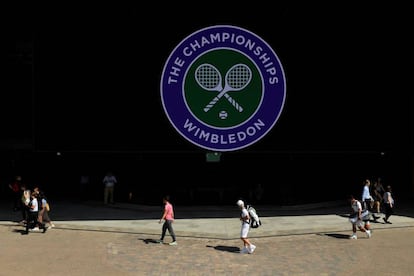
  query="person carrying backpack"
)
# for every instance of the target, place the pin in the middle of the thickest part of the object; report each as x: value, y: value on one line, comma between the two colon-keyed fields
x: 248, y: 247
x: 255, y: 221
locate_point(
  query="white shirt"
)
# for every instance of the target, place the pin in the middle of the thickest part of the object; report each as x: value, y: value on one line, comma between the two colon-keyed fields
x: 388, y: 198
x: 366, y: 194
x: 356, y: 206
x: 35, y: 205
x: 109, y: 181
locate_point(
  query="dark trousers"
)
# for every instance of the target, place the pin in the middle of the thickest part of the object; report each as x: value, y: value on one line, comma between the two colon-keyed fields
x: 168, y: 225
x: 388, y: 210
x: 31, y: 220
x: 17, y: 201
x: 368, y: 205
x: 25, y: 213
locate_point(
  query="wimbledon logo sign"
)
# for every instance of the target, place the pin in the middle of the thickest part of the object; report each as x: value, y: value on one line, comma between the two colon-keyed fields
x: 223, y: 88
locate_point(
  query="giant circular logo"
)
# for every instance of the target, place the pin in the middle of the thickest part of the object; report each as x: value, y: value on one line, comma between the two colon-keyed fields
x: 223, y: 88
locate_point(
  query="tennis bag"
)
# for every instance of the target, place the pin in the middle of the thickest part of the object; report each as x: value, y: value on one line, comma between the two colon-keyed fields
x: 254, y: 217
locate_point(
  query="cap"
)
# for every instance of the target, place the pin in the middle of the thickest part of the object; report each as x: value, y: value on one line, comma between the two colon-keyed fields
x: 240, y: 203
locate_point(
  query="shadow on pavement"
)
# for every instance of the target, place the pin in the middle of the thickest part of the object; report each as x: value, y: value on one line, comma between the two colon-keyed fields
x: 336, y: 235
x: 231, y: 249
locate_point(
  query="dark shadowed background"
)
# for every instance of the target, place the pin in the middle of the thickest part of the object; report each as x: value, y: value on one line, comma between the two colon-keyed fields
x: 84, y: 81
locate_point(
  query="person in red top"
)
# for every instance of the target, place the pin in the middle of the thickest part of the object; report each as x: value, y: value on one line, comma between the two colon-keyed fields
x: 15, y: 187
x: 168, y: 217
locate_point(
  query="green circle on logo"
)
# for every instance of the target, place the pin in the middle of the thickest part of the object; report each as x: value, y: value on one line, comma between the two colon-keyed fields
x: 223, y: 88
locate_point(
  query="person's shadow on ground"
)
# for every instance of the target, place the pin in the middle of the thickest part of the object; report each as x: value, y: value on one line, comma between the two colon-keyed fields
x: 336, y: 235
x: 147, y: 241
x: 232, y: 249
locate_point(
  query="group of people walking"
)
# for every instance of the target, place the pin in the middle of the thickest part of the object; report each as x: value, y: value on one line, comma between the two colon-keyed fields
x: 33, y: 205
x: 374, y: 199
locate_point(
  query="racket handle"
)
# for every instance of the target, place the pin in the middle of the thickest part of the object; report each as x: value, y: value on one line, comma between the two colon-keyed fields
x: 211, y: 104
x: 234, y: 103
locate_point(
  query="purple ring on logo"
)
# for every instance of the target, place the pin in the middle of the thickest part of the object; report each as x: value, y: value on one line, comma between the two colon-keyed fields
x: 230, y: 138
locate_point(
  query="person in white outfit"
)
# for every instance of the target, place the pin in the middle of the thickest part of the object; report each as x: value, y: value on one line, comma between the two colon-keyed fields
x: 359, y: 219
x: 367, y: 199
x: 248, y: 247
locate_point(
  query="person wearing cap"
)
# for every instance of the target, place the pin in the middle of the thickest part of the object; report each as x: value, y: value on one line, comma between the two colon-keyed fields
x: 248, y: 247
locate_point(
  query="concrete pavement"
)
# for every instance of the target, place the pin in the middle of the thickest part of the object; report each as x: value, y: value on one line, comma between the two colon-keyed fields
x: 93, y: 239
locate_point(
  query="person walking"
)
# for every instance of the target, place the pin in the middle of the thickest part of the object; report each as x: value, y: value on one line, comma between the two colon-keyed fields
x: 248, y: 247
x: 378, y: 191
x: 109, y: 182
x: 388, y: 204
x: 168, y: 217
x: 24, y: 201
x: 32, y: 221
x: 367, y: 199
x: 359, y: 219
x: 43, y: 216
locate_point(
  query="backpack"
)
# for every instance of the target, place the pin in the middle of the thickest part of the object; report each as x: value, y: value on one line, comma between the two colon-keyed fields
x: 254, y: 217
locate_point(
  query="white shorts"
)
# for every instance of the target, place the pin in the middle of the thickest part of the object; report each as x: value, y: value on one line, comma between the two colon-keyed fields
x: 244, y: 230
x: 356, y: 221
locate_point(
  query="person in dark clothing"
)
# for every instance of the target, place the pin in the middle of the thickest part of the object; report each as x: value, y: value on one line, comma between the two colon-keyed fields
x: 388, y: 204
x: 15, y: 187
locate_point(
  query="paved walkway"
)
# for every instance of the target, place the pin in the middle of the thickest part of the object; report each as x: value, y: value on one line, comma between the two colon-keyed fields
x: 94, y: 239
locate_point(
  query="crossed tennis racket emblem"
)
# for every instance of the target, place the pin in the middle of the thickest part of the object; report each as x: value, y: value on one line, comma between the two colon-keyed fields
x: 236, y: 79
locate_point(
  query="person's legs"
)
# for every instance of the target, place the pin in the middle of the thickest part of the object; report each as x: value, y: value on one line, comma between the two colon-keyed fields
x: 353, y: 228
x: 16, y: 202
x: 368, y: 205
x: 388, y: 213
x: 111, y: 195
x: 368, y: 230
x: 164, y: 230
x: 377, y: 206
x: 171, y: 230
x: 31, y: 221
x: 28, y: 223
x: 106, y: 191
x: 248, y: 247
x: 364, y: 226
x: 24, y: 214
x: 246, y: 242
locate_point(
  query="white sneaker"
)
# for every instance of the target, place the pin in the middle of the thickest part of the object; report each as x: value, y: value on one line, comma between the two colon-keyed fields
x: 353, y: 237
x: 252, y: 248
x: 36, y: 229
x: 244, y: 250
x: 369, y: 234
x: 173, y: 243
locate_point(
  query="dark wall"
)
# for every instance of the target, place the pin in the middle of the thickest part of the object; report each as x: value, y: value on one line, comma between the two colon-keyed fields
x: 94, y: 96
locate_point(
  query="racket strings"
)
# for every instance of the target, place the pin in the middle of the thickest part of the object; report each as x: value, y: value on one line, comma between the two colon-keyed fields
x: 238, y: 77
x: 208, y: 77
